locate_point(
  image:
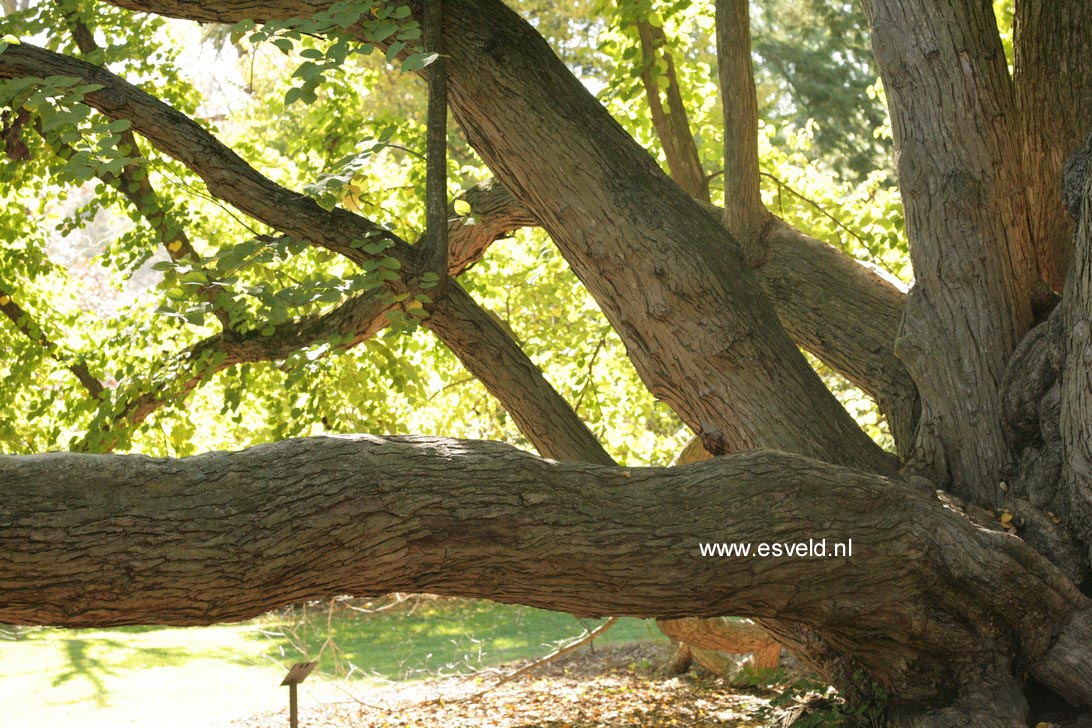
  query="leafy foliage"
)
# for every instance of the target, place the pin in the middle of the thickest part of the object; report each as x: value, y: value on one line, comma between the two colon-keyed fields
x: 109, y: 282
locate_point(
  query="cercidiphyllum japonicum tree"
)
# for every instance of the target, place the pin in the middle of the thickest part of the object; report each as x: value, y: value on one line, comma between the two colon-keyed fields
x: 967, y: 593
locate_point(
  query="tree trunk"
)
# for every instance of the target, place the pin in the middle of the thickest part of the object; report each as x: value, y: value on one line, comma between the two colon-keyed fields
x: 944, y: 71
x: 938, y: 605
x: 1053, y: 49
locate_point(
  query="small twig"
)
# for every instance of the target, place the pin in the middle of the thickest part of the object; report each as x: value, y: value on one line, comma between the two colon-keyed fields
x: 451, y: 385
x: 587, y: 637
x: 781, y: 185
x: 591, y: 365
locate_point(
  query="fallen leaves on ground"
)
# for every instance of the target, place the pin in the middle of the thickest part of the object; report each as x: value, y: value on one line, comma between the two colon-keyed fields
x: 616, y: 685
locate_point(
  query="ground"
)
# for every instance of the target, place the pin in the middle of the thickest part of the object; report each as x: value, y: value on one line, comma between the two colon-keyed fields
x: 381, y: 663
x: 612, y: 685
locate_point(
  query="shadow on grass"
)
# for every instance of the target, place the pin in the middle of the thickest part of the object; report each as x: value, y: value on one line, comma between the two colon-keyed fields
x: 80, y: 664
x: 94, y: 658
x: 429, y: 637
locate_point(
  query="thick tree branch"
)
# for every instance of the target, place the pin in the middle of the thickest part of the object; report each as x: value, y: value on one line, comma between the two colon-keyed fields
x: 1053, y: 49
x: 966, y: 218
x: 744, y: 214
x: 715, y: 352
x: 226, y: 175
x: 352, y: 322
x: 498, y: 362
x: 831, y: 305
x: 227, y: 536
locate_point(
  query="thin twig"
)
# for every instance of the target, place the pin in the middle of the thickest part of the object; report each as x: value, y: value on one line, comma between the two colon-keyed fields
x: 591, y: 365
x: 578, y: 642
x: 781, y: 185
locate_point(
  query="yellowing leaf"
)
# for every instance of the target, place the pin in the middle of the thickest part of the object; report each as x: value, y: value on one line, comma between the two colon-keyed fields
x: 4, y: 300
x: 1006, y: 518
x: 462, y: 207
x: 175, y: 246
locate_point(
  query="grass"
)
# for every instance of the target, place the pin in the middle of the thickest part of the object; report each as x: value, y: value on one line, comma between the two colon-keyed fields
x: 167, y: 676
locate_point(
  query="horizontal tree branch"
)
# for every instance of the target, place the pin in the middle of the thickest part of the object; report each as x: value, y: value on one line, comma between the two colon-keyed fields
x: 99, y: 540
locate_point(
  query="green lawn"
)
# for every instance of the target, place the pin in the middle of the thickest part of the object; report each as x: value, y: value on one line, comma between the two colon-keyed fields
x: 188, y: 676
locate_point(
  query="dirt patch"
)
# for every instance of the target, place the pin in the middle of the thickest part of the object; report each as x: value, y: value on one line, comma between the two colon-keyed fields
x: 616, y: 685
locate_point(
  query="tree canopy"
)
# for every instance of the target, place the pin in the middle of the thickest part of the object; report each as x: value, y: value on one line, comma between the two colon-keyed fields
x: 218, y: 235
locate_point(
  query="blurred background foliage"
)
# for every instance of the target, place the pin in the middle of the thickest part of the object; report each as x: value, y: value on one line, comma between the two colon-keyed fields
x: 81, y: 261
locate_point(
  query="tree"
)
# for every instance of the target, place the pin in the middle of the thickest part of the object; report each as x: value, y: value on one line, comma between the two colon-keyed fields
x: 966, y: 597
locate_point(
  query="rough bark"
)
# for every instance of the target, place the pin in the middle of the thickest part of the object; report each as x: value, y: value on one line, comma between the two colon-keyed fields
x: 1053, y: 65
x: 1075, y: 419
x: 966, y: 219
x: 97, y: 540
x: 669, y: 112
x: 701, y: 335
x: 744, y: 214
x: 845, y: 314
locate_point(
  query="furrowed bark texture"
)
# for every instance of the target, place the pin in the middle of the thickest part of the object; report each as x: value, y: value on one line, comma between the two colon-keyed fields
x: 97, y: 540
x: 701, y: 335
x: 956, y: 134
x: 1053, y: 65
x: 1076, y: 381
x: 744, y: 214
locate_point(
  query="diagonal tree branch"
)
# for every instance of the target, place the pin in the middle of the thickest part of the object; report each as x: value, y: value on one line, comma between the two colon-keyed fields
x: 498, y: 362
x: 359, y: 318
x: 623, y: 245
x: 26, y: 325
x: 226, y: 175
x: 669, y: 119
